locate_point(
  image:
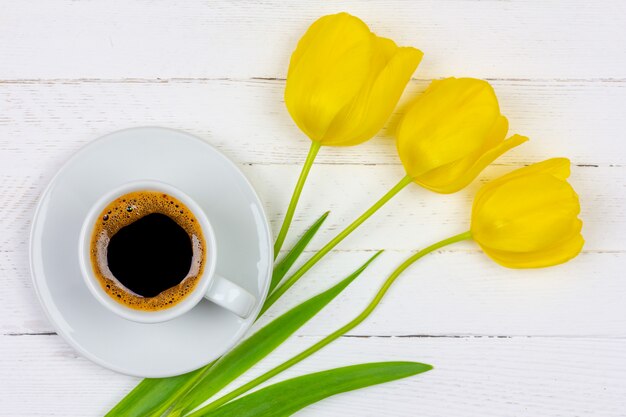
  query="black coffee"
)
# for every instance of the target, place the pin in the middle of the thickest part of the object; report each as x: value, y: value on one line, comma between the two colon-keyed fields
x: 150, y: 255
x: 147, y: 250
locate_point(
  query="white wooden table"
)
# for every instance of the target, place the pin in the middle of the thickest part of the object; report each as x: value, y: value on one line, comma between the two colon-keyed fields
x: 534, y: 343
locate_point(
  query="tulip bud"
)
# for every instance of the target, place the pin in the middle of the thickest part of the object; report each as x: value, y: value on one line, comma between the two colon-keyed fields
x: 343, y: 81
x: 528, y: 218
x: 451, y: 133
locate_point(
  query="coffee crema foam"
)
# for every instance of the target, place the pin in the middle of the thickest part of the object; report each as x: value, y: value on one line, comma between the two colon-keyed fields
x: 124, y: 211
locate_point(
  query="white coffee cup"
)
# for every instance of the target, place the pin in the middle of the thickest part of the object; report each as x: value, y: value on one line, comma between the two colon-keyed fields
x: 210, y: 285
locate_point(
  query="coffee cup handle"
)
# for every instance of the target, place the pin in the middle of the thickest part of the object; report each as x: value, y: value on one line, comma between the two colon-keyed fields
x: 231, y: 296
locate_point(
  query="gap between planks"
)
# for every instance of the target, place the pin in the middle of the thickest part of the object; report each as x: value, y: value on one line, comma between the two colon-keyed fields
x: 373, y: 250
x: 408, y: 336
x: 158, y: 80
x: 319, y: 163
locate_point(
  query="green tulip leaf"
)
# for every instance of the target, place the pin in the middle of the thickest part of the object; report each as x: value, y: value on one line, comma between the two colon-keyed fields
x: 150, y: 394
x: 287, y: 262
x: 259, y: 345
x: 287, y: 397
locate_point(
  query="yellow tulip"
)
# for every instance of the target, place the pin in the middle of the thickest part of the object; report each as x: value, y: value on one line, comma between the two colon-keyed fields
x: 451, y: 133
x: 528, y: 218
x: 344, y: 81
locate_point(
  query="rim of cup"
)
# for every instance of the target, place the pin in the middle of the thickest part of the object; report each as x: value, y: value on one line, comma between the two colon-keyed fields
x: 93, y: 284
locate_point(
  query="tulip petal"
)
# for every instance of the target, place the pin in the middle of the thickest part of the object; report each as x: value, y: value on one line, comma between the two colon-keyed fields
x: 553, y: 256
x: 327, y: 71
x: 471, y: 173
x: 449, y: 122
x: 557, y: 167
x: 556, y: 237
x: 498, y: 132
x: 526, y: 214
x: 392, y: 68
x: 444, y: 176
x: 531, y: 233
x: 528, y: 218
x: 321, y: 30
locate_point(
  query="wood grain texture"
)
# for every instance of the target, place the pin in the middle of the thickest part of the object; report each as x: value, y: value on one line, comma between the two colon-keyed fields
x: 473, y: 285
x: 448, y: 293
x: 217, y: 39
x: 473, y: 376
x: 541, y: 343
x: 247, y: 119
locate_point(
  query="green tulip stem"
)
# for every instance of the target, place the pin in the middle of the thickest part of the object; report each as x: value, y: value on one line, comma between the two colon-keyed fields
x: 278, y: 292
x: 336, y: 334
x: 315, y: 147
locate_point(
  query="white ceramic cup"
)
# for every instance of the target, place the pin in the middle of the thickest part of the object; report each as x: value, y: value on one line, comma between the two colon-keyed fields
x: 211, y: 286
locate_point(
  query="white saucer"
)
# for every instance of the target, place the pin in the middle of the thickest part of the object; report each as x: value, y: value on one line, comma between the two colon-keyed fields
x: 215, y: 183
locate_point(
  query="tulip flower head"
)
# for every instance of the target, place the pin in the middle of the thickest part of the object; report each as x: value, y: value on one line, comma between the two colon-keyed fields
x: 451, y: 133
x: 344, y: 81
x: 529, y: 218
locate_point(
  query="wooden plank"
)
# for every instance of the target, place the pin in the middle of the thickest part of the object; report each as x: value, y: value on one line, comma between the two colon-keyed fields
x: 248, y: 119
x: 447, y: 293
x: 120, y: 39
x: 505, y: 343
x: 413, y: 218
x: 472, y: 376
x: 416, y: 217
